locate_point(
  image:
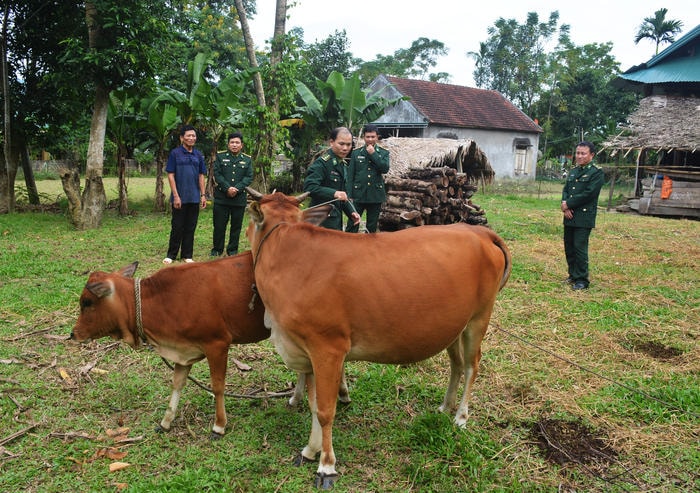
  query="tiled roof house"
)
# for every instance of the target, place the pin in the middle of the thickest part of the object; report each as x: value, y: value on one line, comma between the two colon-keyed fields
x: 507, y: 136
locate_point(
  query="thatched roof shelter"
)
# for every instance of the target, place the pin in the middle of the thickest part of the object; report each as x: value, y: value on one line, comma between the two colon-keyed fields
x: 463, y: 155
x: 662, y: 123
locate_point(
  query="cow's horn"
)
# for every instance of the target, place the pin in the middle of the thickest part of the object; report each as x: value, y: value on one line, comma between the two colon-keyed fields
x: 302, y: 197
x: 254, y: 193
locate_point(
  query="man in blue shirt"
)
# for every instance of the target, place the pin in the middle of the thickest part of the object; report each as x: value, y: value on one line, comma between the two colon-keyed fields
x: 186, y: 174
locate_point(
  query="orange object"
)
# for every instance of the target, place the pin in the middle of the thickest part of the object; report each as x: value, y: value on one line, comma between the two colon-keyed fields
x: 666, y: 187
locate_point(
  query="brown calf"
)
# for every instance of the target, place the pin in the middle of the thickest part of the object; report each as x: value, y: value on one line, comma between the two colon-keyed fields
x: 187, y: 313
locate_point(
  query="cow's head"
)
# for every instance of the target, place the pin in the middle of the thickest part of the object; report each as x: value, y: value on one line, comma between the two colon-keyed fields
x: 103, y: 311
x: 266, y: 211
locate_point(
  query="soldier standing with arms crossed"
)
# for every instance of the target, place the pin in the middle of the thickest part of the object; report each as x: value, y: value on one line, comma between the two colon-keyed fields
x: 579, y: 203
x: 365, y: 179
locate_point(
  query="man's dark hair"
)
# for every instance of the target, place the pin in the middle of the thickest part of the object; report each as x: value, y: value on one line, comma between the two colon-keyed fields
x: 585, y: 143
x: 234, y: 135
x: 186, y: 128
x: 370, y: 127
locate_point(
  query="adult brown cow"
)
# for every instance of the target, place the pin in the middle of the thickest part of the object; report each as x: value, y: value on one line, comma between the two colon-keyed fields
x: 393, y: 298
x: 187, y: 313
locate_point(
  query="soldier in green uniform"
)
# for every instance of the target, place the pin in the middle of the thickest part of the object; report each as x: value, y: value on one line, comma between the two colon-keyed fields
x: 579, y: 203
x: 233, y: 171
x: 326, y: 180
x: 365, y: 178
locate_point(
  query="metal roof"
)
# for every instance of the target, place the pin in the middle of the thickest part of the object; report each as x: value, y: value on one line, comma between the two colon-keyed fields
x: 678, y: 70
x: 679, y: 62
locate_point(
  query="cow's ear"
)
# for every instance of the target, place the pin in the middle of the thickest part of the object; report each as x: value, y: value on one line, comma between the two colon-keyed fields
x: 255, y: 212
x: 100, y: 289
x: 316, y: 215
x: 129, y: 270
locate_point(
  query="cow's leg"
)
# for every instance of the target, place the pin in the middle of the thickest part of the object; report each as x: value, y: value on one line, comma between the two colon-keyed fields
x: 179, y: 378
x: 456, y: 353
x: 298, y: 395
x: 328, y: 373
x: 343, y: 392
x: 471, y: 343
x: 217, y: 357
x: 309, y: 452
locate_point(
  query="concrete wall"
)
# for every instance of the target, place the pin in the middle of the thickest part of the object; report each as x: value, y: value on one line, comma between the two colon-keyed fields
x: 500, y: 147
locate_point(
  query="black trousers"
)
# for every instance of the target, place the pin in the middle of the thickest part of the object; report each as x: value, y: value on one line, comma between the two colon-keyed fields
x: 576, y: 251
x: 182, y: 227
x: 372, y: 217
x: 222, y: 214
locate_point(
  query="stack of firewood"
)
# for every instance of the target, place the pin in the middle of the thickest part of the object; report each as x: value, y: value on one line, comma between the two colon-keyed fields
x: 429, y: 196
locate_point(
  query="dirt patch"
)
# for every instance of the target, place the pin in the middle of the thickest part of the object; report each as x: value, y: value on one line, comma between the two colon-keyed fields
x: 657, y: 350
x: 564, y: 442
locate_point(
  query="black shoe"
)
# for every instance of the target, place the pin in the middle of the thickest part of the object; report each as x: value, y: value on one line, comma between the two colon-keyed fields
x: 569, y: 280
x: 579, y: 285
x: 215, y: 253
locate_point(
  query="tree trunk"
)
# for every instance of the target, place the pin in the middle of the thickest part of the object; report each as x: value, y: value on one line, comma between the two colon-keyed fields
x: 29, y: 181
x: 250, y: 51
x: 7, y: 170
x: 123, y: 195
x: 94, y: 199
x: 70, y: 178
x: 159, y: 204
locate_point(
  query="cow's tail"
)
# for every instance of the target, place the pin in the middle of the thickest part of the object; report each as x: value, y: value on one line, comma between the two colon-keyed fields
x: 498, y: 241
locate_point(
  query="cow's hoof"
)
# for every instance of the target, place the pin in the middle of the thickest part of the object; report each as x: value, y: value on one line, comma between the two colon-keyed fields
x: 160, y: 429
x: 325, y: 481
x: 300, y: 460
x: 216, y: 436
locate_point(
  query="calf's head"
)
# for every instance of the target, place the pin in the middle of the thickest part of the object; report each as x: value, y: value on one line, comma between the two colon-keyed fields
x: 107, y: 306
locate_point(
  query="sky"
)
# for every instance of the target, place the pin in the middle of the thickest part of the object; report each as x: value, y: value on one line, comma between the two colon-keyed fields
x: 385, y: 26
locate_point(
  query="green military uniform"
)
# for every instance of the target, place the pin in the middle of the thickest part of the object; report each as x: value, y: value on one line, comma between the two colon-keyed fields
x: 580, y: 193
x: 366, y: 184
x: 230, y: 170
x: 327, y: 175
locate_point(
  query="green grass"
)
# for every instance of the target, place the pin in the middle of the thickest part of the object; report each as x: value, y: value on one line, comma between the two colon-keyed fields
x: 638, y: 325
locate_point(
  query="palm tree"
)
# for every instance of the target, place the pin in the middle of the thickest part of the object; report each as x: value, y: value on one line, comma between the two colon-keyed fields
x: 659, y: 29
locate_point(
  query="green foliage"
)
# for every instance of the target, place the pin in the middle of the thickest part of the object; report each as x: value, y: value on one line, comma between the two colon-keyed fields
x: 658, y: 29
x: 513, y: 61
x: 414, y: 62
x: 581, y: 103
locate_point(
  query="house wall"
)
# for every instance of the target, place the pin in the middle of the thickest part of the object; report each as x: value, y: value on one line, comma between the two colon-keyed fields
x: 500, y: 147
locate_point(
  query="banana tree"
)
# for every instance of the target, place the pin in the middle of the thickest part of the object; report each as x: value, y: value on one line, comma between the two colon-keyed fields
x: 161, y: 123
x: 336, y: 102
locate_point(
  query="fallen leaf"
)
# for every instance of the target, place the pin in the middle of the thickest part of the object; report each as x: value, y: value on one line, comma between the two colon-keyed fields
x: 120, y: 486
x: 65, y: 376
x: 119, y: 431
x: 242, y: 366
x: 118, y: 466
x: 110, y: 453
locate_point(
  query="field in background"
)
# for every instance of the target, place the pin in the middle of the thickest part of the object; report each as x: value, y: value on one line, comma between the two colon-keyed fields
x: 594, y: 391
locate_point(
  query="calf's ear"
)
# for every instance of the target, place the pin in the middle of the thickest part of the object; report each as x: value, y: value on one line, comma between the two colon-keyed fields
x: 129, y: 270
x: 100, y: 289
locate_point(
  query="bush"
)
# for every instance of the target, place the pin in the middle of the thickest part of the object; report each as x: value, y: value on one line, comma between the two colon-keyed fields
x: 283, y: 183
